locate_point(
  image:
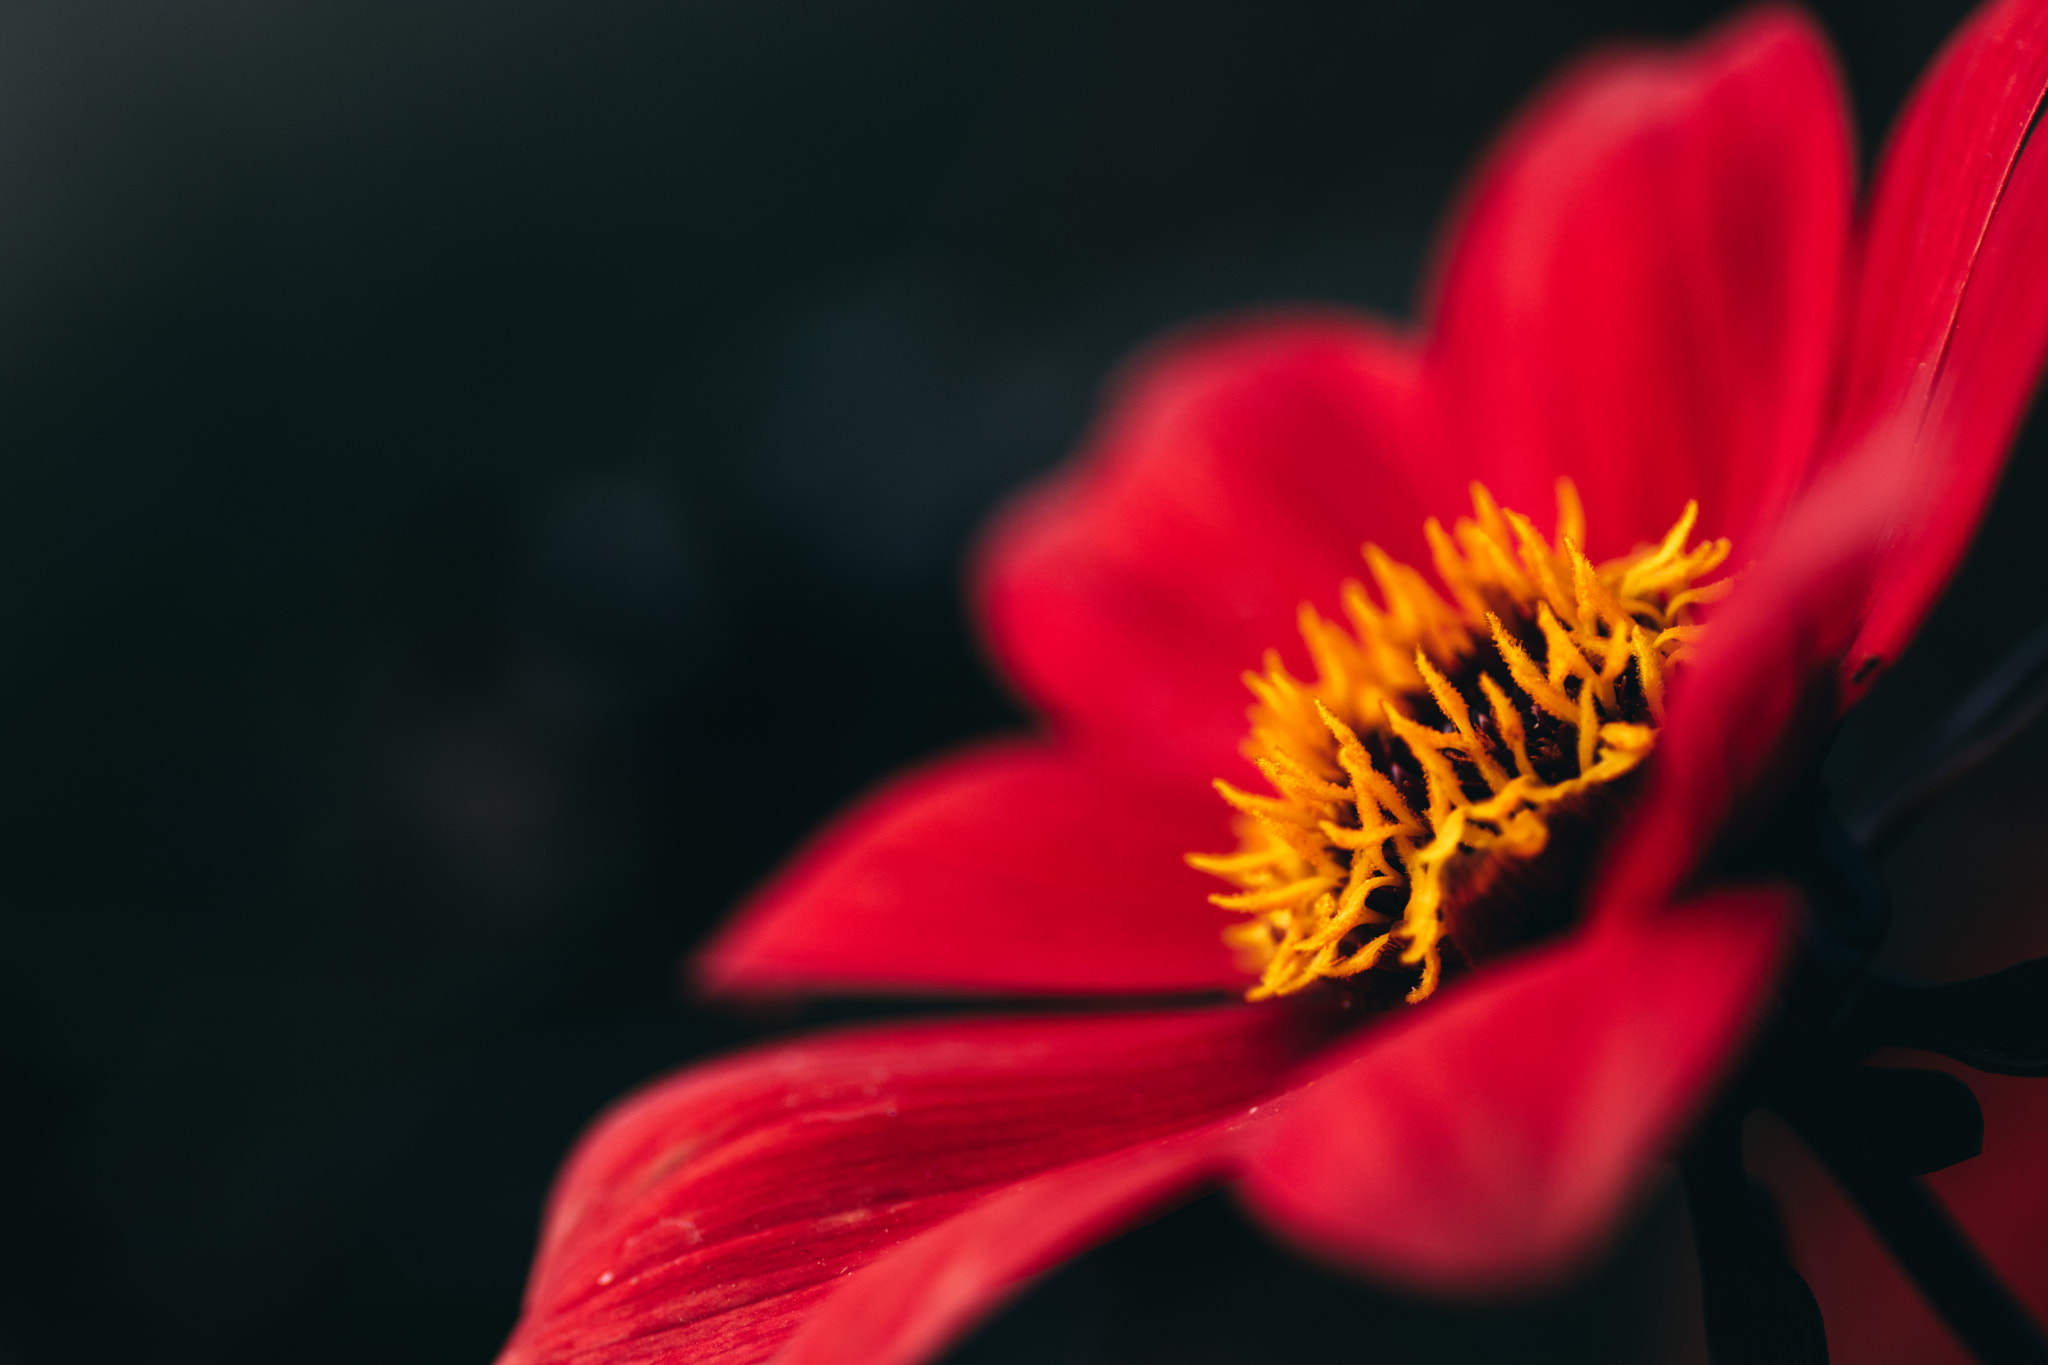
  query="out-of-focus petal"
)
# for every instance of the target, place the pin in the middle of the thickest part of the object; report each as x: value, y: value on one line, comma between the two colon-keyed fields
x: 1494, y: 1139
x: 1643, y: 293
x: 1234, y: 476
x: 915, y: 1300
x: 1751, y: 710
x: 1979, y: 393
x: 1938, y: 188
x: 707, y: 1217
x: 1012, y: 867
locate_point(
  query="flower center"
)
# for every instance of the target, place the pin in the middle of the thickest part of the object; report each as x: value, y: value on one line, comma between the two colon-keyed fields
x: 1440, y: 786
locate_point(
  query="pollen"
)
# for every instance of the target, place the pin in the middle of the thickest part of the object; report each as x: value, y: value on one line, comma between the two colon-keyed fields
x: 1438, y: 785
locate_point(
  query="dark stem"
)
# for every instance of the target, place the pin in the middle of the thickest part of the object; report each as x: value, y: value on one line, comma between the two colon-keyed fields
x: 1758, y: 1310
x: 1940, y: 1259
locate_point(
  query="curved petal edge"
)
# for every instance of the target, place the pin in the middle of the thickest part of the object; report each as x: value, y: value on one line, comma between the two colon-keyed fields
x: 1492, y: 1143
x: 1012, y: 867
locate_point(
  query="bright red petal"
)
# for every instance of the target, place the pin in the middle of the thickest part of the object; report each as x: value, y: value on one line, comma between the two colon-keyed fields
x: 708, y: 1217
x: 1980, y: 391
x: 1013, y: 867
x: 1495, y: 1139
x: 1644, y: 292
x: 1937, y: 190
x: 1235, y: 477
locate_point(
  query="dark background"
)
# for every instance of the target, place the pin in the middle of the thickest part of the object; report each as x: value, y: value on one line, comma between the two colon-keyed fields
x: 479, y: 480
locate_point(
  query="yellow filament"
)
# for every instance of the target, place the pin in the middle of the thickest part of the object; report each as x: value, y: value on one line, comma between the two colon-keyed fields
x: 1336, y: 870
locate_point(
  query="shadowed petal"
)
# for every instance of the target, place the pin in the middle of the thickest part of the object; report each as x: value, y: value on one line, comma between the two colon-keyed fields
x: 1234, y: 476
x: 1643, y: 292
x: 1770, y: 678
x: 1011, y: 867
x: 1492, y: 1140
x: 1875, y: 1315
x: 915, y: 1300
x: 707, y: 1217
x: 1962, y: 923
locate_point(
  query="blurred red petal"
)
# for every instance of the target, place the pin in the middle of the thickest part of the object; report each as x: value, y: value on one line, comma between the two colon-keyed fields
x: 1492, y: 1140
x: 914, y: 1301
x: 1234, y: 477
x: 1643, y: 294
x: 1012, y: 867
x: 708, y: 1216
x: 1754, y: 706
x: 1938, y: 187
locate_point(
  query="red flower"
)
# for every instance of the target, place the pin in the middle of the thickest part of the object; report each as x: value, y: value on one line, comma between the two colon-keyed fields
x: 1659, y: 287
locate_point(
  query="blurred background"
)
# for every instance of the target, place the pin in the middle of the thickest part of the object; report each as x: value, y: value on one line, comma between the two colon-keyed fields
x: 479, y: 481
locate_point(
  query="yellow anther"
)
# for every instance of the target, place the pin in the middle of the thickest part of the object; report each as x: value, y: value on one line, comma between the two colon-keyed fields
x: 1622, y: 737
x: 1284, y: 894
x: 1565, y: 651
x: 1589, y: 730
x: 1437, y: 771
x: 1650, y: 668
x: 1699, y: 597
x: 1571, y: 514
x: 1529, y: 677
x: 1541, y: 562
x: 1452, y: 569
x: 1507, y: 723
x: 1454, y: 709
x: 1291, y: 779
x: 1549, y: 673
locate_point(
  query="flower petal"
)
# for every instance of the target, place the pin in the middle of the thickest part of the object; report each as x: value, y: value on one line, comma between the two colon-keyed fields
x: 1938, y: 188
x: 707, y: 1217
x: 1234, y: 477
x: 916, y: 1299
x: 1772, y: 675
x: 1979, y: 392
x: 1643, y: 294
x: 1492, y: 1141
x: 1011, y: 867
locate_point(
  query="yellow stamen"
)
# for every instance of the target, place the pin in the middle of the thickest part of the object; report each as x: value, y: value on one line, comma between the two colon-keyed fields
x: 1438, y: 733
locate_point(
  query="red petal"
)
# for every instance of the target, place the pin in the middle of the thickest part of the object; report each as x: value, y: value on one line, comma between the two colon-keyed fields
x: 1494, y: 1140
x: 1750, y: 712
x: 1234, y: 477
x: 708, y: 1217
x: 1936, y: 192
x: 1979, y: 393
x: 1644, y: 291
x: 1011, y: 867
x: 915, y: 1300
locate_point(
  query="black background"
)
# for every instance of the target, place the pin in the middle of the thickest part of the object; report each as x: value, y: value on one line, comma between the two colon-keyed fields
x: 480, y: 480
